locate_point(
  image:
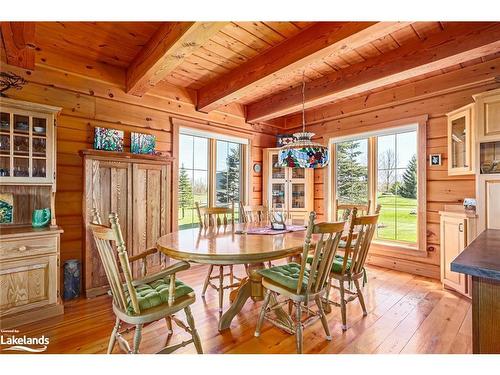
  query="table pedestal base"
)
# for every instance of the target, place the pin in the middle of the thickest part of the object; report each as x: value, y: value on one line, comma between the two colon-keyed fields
x: 250, y: 287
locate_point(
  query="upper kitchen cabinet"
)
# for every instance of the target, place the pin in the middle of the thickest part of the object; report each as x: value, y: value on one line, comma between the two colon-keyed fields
x: 488, y: 115
x: 461, y: 141
x: 27, y: 143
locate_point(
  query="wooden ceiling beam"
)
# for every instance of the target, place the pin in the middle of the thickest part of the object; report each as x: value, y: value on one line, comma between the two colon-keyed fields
x: 477, y: 75
x: 320, y: 40
x: 165, y: 51
x: 19, y: 42
x: 459, y: 42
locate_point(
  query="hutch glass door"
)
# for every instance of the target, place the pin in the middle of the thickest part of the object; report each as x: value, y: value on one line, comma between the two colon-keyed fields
x: 24, y: 146
x: 278, y: 184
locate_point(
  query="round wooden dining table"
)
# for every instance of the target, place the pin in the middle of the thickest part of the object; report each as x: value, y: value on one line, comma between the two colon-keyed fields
x: 229, y: 245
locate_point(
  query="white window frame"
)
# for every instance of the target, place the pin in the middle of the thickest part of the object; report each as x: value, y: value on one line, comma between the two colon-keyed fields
x: 203, y: 130
x: 420, y: 125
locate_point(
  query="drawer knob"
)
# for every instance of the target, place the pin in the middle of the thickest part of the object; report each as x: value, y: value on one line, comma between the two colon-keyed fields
x: 22, y: 248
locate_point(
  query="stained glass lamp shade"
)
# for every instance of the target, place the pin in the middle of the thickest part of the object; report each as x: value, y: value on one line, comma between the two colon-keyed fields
x: 303, y: 152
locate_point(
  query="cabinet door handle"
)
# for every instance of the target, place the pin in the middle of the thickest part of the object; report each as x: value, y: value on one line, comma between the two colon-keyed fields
x: 22, y: 248
x: 461, y: 227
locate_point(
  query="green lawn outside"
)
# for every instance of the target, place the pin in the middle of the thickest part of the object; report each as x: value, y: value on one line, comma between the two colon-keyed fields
x: 190, y: 218
x: 401, y: 208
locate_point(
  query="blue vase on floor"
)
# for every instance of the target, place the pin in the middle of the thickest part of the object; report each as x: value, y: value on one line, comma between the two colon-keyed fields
x: 71, y: 279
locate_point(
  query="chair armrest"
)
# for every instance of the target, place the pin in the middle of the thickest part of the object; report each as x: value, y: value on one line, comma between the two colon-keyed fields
x: 143, y: 255
x: 173, y: 269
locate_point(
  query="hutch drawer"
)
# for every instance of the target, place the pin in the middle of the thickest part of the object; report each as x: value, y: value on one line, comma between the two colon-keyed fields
x: 24, y: 247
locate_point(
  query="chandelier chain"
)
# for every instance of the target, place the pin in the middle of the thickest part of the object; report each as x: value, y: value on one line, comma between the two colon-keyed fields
x: 303, y: 101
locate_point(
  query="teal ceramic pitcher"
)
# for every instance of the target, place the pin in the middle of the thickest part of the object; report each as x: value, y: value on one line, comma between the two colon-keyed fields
x: 40, y: 218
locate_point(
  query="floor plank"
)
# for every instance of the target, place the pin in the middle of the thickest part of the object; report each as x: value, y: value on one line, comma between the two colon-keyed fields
x: 438, y: 332
x: 406, y: 313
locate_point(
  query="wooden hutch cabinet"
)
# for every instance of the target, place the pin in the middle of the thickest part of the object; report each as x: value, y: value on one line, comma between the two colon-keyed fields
x: 138, y: 189
x: 290, y: 190
x: 29, y: 257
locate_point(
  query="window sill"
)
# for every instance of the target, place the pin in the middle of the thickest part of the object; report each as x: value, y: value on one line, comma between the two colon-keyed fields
x: 398, y: 249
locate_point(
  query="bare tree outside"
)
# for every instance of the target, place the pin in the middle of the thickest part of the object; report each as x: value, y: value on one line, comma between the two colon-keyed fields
x: 386, y: 170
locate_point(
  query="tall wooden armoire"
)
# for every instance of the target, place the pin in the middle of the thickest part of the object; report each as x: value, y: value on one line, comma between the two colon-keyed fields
x: 137, y: 188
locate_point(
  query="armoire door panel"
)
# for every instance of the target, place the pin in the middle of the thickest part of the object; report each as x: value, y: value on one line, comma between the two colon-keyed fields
x: 150, y: 206
x: 111, y: 192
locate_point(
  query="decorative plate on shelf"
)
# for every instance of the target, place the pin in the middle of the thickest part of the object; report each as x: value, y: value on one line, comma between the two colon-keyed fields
x: 142, y: 143
x: 108, y: 139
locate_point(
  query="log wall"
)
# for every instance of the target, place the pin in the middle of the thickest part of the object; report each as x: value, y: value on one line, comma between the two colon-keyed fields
x: 92, y: 94
x: 441, y: 188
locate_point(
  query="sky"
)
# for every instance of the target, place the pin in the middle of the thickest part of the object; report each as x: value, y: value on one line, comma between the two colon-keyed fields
x: 403, y: 144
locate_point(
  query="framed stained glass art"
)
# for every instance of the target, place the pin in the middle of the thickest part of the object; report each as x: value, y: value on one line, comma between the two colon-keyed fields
x: 108, y: 139
x: 142, y: 143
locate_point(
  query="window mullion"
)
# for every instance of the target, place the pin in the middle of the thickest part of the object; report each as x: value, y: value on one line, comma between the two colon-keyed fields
x: 212, y: 152
x: 372, y: 171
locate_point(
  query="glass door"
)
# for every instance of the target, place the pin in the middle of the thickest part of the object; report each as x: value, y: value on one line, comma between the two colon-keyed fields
x: 39, y: 148
x: 21, y: 146
x: 297, y: 186
x: 459, y: 142
x: 5, y: 142
x: 278, y: 184
x: 24, y: 147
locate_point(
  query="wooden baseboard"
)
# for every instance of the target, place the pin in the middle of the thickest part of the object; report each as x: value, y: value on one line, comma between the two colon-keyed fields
x: 404, y: 265
x: 30, y: 316
x: 95, y: 292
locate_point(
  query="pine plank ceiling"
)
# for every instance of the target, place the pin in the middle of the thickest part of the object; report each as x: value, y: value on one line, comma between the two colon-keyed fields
x: 259, y: 64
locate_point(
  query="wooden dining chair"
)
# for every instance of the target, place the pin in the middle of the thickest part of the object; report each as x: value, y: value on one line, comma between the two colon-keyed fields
x: 343, y: 210
x: 146, y: 299
x: 350, y: 267
x: 214, y: 217
x: 349, y: 218
x: 253, y: 214
x: 300, y: 285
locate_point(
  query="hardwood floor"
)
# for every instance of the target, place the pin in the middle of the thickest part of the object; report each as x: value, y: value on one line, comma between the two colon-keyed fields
x: 406, y: 314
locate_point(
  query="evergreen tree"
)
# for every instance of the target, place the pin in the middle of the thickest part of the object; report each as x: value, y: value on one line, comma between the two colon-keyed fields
x: 185, y: 191
x: 408, y: 187
x: 352, y: 183
x: 395, y: 188
x: 228, y: 182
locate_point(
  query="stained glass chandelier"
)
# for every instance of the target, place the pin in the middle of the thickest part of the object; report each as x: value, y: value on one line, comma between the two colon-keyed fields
x: 303, y: 152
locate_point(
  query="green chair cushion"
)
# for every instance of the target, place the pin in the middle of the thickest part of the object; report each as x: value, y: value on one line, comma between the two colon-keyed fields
x: 286, y: 275
x: 156, y: 293
x: 337, y: 263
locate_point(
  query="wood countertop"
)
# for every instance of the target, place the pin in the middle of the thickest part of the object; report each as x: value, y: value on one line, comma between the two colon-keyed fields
x: 482, y: 257
x: 8, y: 233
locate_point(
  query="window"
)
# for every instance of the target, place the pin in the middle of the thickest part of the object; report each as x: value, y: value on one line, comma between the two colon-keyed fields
x: 397, y: 186
x: 352, y: 171
x: 193, y: 178
x: 382, y: 168
x: 228, y: 174
x: 200, y: 157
